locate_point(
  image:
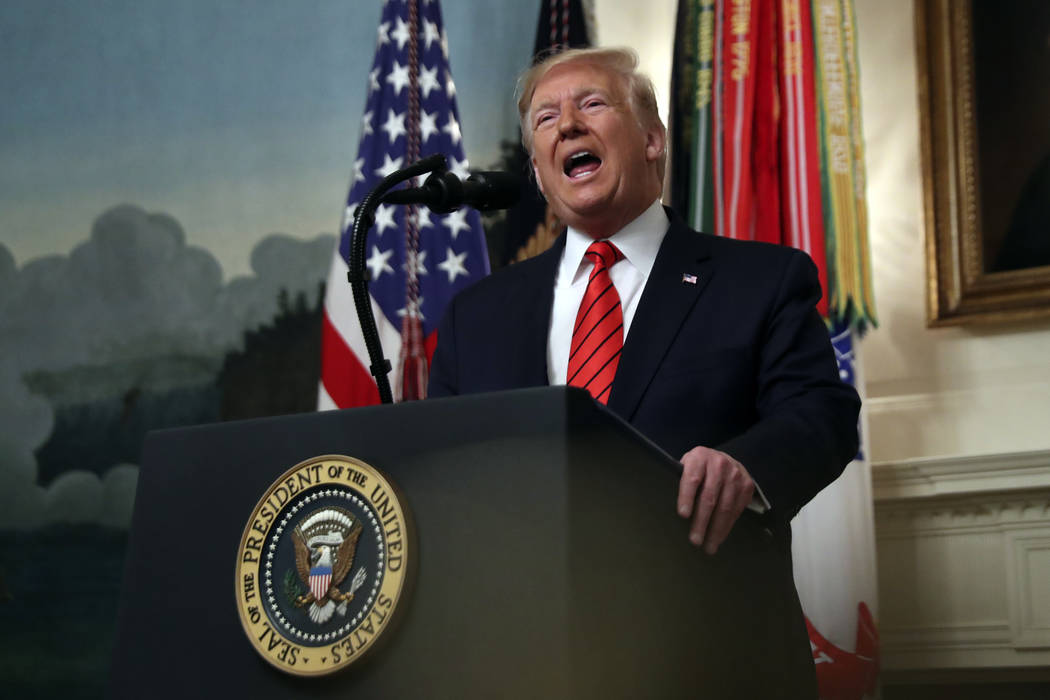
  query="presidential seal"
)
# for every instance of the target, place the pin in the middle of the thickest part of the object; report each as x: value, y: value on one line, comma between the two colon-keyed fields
x: 322, y: 565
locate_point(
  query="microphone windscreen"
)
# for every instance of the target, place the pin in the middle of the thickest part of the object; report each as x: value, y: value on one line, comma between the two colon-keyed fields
x: 494, y: 190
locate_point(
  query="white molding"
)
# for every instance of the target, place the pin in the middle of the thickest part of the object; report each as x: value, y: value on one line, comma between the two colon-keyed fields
x: 988, y: 515
x: 1027, y: 593
x: 930, y: 477
x: 950, y: 663
x: 971, y: 635
x: 954, y: 516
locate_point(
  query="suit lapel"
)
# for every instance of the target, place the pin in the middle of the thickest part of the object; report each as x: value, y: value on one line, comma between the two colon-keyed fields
x: 535, y: 300
x: 666, y: 301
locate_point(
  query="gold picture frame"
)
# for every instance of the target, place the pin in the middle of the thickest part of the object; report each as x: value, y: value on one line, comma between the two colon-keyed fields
x: 960, y: 287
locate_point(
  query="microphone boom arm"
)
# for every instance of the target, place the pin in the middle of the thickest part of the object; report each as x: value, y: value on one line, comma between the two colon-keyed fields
x: 357, y: 275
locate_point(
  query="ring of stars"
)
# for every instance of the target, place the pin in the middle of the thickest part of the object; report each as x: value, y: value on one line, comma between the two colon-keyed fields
x: 368, y: 517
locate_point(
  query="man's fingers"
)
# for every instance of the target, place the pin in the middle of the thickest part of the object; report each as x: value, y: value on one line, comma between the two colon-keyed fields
x: 689, y: 485
x: 713, y: 491
x: 706, y: 501
x: 730, y: 505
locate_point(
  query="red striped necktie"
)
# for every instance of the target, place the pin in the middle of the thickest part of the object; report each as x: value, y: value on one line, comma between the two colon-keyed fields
x: 597, y: 337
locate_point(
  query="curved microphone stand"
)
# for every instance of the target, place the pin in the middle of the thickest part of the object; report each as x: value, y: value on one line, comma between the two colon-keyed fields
x: 357, y: 275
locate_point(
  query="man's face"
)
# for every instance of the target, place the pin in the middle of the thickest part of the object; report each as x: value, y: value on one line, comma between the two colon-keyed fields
x: 594, y: 162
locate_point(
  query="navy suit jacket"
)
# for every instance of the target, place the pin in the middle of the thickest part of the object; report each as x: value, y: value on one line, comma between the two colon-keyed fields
x: 739, y: 360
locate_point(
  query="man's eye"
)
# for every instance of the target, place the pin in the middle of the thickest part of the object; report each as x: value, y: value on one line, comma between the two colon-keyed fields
x: 594, y: 103
x: 543, y: 118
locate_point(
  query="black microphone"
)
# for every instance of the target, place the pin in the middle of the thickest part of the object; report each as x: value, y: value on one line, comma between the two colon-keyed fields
x: 444, y: 192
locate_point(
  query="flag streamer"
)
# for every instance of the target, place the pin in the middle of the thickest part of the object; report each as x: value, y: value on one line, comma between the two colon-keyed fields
x: 766, y: 136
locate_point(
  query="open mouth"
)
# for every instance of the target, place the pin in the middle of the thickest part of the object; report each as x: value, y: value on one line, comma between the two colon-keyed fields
x: 581, y: 164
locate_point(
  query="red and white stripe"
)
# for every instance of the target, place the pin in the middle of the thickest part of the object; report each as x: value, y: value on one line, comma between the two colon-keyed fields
x: 345, y: 380
x: 803, y: 208
x: 319, y: 584
x: 738, y: 81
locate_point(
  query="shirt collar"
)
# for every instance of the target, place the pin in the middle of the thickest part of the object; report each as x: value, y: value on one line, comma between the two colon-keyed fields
x: 639, y: 241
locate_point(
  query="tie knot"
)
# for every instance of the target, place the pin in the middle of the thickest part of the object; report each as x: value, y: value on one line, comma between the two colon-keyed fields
x: 603, y: 253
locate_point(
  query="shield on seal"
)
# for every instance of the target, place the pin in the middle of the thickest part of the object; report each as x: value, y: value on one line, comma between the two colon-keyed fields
x: 320, y: 544
x: 320, y: 580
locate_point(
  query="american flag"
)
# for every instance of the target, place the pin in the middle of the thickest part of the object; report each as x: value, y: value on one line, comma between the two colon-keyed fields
x: 417, y: 260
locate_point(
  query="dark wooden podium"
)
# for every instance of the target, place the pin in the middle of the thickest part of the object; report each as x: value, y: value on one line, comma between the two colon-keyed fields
x: 551, y: 561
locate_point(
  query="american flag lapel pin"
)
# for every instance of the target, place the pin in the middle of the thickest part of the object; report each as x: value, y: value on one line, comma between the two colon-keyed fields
x: 688, y: 279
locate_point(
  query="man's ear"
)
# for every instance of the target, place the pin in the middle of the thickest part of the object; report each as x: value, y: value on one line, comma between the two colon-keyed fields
x: 655, y: 139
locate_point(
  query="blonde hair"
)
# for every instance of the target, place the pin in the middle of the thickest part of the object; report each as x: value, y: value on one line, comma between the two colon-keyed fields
x: 621, y: 61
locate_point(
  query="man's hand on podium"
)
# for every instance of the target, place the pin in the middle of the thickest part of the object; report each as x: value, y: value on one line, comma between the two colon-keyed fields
x: 714, y: 490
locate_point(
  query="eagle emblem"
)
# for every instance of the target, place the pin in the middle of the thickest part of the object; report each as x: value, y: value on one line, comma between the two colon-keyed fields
x: 325, y: 543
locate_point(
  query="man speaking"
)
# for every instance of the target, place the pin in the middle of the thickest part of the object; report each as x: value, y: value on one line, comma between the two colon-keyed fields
x: 711, y: 347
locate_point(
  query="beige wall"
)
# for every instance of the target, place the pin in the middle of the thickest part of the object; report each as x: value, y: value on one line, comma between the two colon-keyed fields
x: 959, y: 421
x: 932, y: 392
x: 647, y: 27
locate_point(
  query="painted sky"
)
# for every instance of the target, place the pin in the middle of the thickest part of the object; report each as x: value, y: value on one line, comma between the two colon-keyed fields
x: 238, y: 118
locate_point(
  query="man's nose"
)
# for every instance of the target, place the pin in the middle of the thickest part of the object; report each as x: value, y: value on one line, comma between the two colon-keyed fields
x: 569, y: 122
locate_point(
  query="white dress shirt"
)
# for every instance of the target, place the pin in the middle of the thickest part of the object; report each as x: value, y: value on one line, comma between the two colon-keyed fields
x: 639, y: 241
